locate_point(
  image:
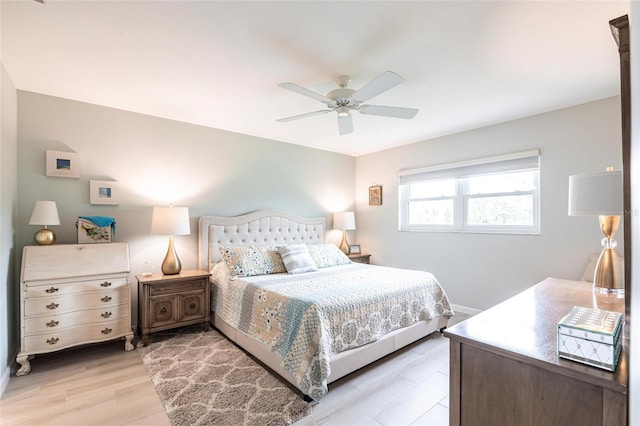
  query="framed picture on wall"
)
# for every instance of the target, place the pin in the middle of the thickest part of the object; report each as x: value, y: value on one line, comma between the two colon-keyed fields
x: 63, y: 164
x: 375, y: 195
x: 103, y: 192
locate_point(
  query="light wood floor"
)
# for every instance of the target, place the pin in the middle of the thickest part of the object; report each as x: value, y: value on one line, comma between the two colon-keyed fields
x: 103, y: 385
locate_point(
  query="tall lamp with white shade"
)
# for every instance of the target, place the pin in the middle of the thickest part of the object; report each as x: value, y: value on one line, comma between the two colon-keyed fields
x: 170, y: 221
x: 345, y: 221
x: 600, y: 194
x: 45, y: 213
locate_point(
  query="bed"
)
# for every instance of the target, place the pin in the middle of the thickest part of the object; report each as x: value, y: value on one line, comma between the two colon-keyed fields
x: 318, y: 325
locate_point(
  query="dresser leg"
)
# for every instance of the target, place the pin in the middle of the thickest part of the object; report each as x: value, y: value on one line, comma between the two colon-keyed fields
x: 128, y: 346
x: 25, y: 365
x: 205, y: 326
x: 145, y: 339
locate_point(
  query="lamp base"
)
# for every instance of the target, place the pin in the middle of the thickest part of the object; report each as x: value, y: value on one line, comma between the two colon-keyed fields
x: 344, y: 245
x: 45, y: 237
x: 608, y: 275
x: 171, y: 264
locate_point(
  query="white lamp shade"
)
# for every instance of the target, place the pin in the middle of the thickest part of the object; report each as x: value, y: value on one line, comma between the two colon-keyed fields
x: 45, y: 213
x: 596, y: 194
x: 170, y: 221
x: 344, y: 220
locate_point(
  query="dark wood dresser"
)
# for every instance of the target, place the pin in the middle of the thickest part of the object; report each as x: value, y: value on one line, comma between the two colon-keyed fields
x: 505, y: 370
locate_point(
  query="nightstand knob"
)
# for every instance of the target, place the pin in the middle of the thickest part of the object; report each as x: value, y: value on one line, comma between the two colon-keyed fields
x: 53, y: 340
x: 163, y: 310
x: 106, y: 315
x: 105, y: 284
x: 192, y: 306
x: 53, y: 323
x: 52, y: 290
x: 106, y: 331
x: 106, y: 299
x: 52, y: 305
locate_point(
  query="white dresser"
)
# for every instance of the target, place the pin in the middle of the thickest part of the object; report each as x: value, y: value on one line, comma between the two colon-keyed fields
x: 72, y: 295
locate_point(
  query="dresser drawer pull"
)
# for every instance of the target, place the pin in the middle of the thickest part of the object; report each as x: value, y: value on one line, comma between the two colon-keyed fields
x: 105, y: 284
x: 52, y: 290
x: 52, y: 305
x: 192, y: 306
x: 163, y: 310
x: 53, y: 340
x: 106, y: 299
x: 53, y: 323
x: 106, y: 315
x: 106, y: 331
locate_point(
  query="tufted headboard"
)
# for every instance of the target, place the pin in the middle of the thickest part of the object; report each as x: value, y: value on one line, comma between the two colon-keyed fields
x: 262, y: 227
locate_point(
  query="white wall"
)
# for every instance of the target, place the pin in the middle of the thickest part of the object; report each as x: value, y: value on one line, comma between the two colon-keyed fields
x: 157, y: 161
x: 480, y: 270
x: 8, y: 205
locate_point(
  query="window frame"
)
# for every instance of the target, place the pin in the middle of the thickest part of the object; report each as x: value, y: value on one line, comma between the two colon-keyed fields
x: 461, y: 172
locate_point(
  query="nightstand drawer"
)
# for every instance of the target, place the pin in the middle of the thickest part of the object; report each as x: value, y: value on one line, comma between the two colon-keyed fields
x: 177, y: 287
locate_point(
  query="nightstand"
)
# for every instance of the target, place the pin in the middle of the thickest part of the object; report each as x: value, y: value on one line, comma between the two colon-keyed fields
x: 169, y: 301
x: 360, y: 258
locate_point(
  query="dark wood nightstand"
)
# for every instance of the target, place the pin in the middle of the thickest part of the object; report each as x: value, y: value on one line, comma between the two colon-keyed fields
x: 360, y: 258
x: 169, y: 301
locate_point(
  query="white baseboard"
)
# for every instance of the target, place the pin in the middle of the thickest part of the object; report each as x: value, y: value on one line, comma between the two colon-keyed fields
x: 465, y: 309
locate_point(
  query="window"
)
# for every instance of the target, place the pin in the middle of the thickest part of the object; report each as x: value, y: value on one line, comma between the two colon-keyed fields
x: 494, y: 195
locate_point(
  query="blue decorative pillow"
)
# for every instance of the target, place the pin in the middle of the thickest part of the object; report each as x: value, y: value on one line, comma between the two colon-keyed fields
x: 296, y: 259
x: 325, y: 255
x: 246, y: 261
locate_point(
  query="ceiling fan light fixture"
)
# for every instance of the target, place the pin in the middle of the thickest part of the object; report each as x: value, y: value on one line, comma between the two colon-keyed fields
x: 343, y: 111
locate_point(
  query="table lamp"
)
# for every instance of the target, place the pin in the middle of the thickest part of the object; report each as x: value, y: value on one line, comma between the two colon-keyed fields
x: 600, y: 194
x: 170, y: 221
x: 345, y: 221
x: 45, y: 213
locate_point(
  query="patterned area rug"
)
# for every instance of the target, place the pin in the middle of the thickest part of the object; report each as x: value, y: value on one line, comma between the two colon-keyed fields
x: 204, y: 379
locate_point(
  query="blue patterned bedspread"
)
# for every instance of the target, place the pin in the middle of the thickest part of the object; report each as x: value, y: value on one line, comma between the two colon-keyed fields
x: 307, y: 318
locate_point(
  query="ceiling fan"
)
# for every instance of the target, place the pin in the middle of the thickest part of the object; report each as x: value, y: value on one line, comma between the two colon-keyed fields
x: 344, y: 100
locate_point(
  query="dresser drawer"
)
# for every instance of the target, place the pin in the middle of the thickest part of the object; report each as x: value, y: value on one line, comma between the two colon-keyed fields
x: 89, y: 333
x: 176, y: 287
x: 74, y: 287
x: 76, y: 301
x: 53, y: 323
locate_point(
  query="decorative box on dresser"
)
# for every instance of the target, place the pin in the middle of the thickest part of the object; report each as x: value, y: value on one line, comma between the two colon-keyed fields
x: 169, y: 301
x: 505, y: 369
x: 72, y: 295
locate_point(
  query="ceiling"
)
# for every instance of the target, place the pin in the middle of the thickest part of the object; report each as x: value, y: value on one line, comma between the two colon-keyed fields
x: 218, y: 64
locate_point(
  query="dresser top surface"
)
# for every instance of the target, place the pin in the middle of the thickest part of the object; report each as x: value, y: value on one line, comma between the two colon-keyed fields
x: 526, y: 326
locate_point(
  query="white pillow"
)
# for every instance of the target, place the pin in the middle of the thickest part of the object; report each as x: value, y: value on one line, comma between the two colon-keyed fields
x: 296, y: 259
x: 325, y: 255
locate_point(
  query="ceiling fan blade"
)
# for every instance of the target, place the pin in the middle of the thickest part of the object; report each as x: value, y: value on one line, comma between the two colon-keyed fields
x: 376, y: 86
x: 307, y: 114
x: 345, y: 124
x: 388, y: 111
x: 306, y: 92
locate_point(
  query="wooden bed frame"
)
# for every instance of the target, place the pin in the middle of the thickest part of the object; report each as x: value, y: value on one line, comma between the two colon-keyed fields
x: 273, y: 227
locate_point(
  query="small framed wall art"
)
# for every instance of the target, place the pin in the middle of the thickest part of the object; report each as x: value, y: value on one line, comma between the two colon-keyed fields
x: 103, y: 192
x: 63, y: 164
x: 375, y: 195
